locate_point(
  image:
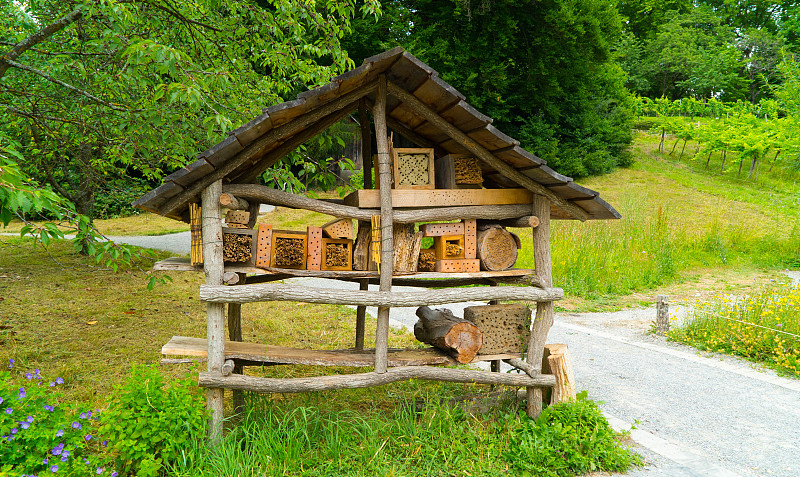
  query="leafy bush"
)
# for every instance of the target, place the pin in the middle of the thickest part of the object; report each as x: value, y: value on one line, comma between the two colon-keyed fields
x: 568, y: 439
x: 762, y: 327
x: 40, y: 434
x: 148, y: 422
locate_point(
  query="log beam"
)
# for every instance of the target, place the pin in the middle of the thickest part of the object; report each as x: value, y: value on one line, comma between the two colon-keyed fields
x: 364, y: 380
x: 289, y: 292
x: 482, y: 153
x: 230, y: 201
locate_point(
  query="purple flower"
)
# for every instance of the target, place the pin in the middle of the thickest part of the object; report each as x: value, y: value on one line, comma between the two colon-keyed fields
x: 14, y: 431
x: 64, y: 457
x: 22, y: 393
x: 45, y: 461
x: 24, y: 425
x: 59, y: 381
x: 54, y: 469
x: 36, y: 371
x: 52, y: 384
x: 59, y: 432
x: 84, y: 415
x: 88, y: 437
x: 28, y: 376
x: 76, y: 425
x: 1, y: 400
x: 48, y: 407
x: 29, y: 419
x: 11, y: 363
x: 104, y: 443
x: 9, y: 410
x: 114, y: 474
x: 99, y: 470
x: 56, y: 450
x: 65, y: 453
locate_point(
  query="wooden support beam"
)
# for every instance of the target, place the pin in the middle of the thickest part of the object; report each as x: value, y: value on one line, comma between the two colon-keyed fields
x: 307, y: 122
x: 544, y: 310
x: 519, y: 222
x: 364, y: 380
x: 366, y: 143
x: 387, y: 240
x: 215, y: 312
x: 361, y: 316
x: 272, y: 196
x: 235, y: 334
x: 482, y: 153
x: 289, y: 292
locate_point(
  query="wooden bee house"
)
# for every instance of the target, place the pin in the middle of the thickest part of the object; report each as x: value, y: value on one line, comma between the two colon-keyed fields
x: 413, y: 168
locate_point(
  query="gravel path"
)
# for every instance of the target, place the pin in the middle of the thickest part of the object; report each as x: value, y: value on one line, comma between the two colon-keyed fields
x: 695, y: 414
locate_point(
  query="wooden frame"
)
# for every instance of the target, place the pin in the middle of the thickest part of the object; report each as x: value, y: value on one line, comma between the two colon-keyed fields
x: 441, y: 242
x: 400, y: 174
x: 278, y: 236
x: 253, y: 234
x: 348, y: 246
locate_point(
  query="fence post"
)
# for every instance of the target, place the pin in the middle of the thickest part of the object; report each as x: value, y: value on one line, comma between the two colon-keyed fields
x: 662, y: 314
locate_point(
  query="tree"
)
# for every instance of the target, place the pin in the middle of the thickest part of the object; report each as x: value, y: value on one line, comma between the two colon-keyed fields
x: 543, y: 70
x: 129, y: 89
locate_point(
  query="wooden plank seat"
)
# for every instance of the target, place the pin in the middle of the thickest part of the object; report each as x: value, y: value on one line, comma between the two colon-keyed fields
x: 267, y: 354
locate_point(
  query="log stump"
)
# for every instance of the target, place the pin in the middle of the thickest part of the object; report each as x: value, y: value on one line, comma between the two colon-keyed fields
x: 497, y: 248
x: 446, y: 331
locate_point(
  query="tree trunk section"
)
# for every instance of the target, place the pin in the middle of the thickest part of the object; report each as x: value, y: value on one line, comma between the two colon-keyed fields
x: 406, y: 247
x: 446, y: 331
x: 497, y: 248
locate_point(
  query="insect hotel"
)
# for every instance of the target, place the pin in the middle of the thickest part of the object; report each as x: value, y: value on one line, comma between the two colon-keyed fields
x: 463, y: 186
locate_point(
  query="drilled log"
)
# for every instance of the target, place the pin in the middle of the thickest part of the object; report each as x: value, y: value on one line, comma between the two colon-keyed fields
x: 446, y: 331
x: 497, y: 248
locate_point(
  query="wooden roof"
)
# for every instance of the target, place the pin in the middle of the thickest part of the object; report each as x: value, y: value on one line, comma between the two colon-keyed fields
x: 249, y: 150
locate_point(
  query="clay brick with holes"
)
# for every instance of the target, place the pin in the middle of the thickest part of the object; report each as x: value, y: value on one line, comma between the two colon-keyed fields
x: 264, y: 248
x: 505, y: 328
x: 436, y: 230
x: 448, y: 247
x: 314, y: 248
x: 337, y: 254
x: 463, y: 265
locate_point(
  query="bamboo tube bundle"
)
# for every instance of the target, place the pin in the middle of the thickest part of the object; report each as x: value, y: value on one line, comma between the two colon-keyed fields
x: 196, y: 234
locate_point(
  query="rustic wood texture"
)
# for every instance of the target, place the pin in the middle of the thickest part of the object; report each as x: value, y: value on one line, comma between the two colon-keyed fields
x: 558, y: 362
x: 427, y: 260
x: 366, y: 143
x: 518, y: 222
x: 496, y: 248
x: 229, y: 201
x: 289, y: 249
x: 196, y: 234
x: 213, y: 268
x: 237, y: 217
x: 339, y: 229
x: 462, y: 265
x: 386, y: 222
x: 458, y: 171
x: 230, y: 278
x: 235, y: 334
x: 361, y: 250
x: 470, y: 238
x: 505, y: 328
x: 314, y: 248
x: 361, y: 317
x: 264, y: 248
x: 370, y: 199
x: 662, y: 314
x: 337, y: 254
x: 289, y: 292
x: 413, y: 168
x: 267, y: 195
x: 544, y: 310
x: 375, y: 254
x: 448, y: 247
x: 406, y: 247
x: 482, y: 153
x: 365, y: 380
x: 239, y: 246
x: 442, y: 329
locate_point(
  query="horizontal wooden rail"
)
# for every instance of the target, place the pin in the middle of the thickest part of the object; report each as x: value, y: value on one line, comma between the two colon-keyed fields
x: 365, y: 380
x: 287, y: 292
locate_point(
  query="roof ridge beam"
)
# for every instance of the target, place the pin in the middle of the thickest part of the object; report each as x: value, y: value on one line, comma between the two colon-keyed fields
x: 482, y: 153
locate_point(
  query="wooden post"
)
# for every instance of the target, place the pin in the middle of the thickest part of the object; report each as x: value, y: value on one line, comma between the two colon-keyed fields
x: 387, y: 246
x: 366, y: 144
x: 662, y: 314
x: 558, y: 362
x: 215, y: 312
x: 361, y: 316
x: 235, y: 334
x: 544, y: 310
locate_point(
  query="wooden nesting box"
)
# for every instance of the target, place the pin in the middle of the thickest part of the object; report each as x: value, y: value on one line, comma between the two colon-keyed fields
x: 427, y: 260
x: 458, y: 171
x: 237, y: 218
x: 505, y: 328
x: 239, y: 245
x: 338, y: 228
x: 289, y: 249
x: 413, y: 168
x: 337, y: 254
x: 448, y: 247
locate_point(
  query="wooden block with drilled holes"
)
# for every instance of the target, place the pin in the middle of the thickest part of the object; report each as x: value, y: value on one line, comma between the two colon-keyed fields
x: 337, y: 254
x: 413, y: 168
x: 239, y: 246
x: 435, y: 230
x: 264, y: 245
x: 289, y: 249
x: 470, y: 238
x: 237, y: 217
x: 463, y: 265
x: 339, y: 228
x: 448, y: 247
x: 458, y: 171
x: 314, y: 252
x: 505, y: 328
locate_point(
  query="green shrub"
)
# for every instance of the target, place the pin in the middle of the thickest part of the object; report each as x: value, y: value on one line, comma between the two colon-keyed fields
x: 568, y: 439
x: 147, y: 422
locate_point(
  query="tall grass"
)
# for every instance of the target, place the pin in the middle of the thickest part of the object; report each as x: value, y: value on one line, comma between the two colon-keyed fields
x: 763, y: 326
x: 653, y: 244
